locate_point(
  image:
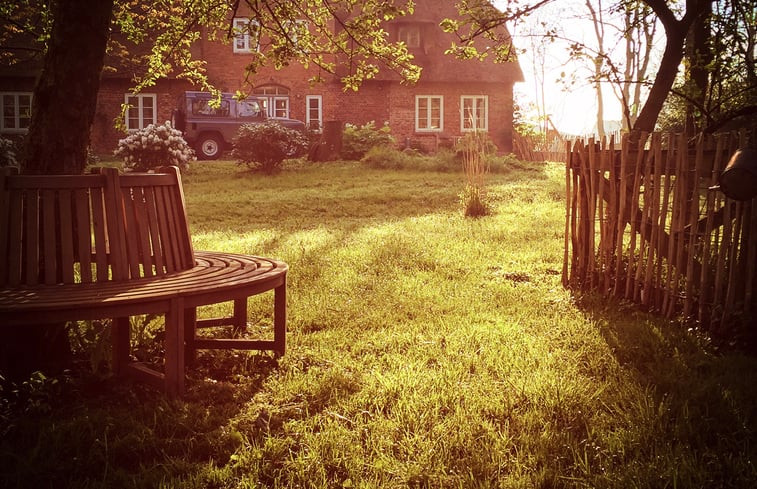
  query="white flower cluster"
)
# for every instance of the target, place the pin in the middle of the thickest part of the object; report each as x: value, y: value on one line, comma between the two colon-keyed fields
x: 153, y: 147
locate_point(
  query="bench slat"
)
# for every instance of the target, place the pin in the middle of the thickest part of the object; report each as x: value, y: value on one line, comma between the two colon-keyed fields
x: 171, y: 246
x: 132, y: 233
x: 49, y: 237
x: 115, y: 225
x: 156, y: 239
x: 31, y: 238
x: 55, y: 182
x: 16, y: 237
x: 5, y: 173
x: 66, y: 236
x: 98, y: 229
x: 84, y: 234
x: 181, y: 216
x: 143, y: 241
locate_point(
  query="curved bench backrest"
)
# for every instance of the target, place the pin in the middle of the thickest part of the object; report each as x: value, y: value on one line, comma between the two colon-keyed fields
x: 91, y: 228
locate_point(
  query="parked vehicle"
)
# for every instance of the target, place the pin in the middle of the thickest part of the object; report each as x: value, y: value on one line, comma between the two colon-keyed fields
x: 211, y: 130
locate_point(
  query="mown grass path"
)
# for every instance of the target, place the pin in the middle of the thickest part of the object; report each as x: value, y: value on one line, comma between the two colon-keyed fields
x: 425, y: 350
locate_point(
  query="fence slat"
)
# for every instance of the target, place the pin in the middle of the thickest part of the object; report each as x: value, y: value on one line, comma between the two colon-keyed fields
x: 691, y: 277
x: 750, y: 284
x: 705, y: 290
x: 567, y: 236
x: 633, y: 206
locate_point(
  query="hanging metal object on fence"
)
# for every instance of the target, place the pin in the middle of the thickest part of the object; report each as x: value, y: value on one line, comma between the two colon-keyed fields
x: 739, y: 179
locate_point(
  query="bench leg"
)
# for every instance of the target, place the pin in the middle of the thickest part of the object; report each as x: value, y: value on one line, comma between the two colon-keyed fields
x: 174, y: 345
x: 240, y: 316
x: 280, y: 318
x: 190, y: 331
x: 121, y: 344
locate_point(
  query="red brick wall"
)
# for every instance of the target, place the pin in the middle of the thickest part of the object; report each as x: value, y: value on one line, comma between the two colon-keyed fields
x: 104, y: 135
x: 382, y: 101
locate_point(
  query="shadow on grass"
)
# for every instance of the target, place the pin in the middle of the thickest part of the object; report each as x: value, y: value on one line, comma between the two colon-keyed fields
x: 84, y: 430
x: 701, y: 404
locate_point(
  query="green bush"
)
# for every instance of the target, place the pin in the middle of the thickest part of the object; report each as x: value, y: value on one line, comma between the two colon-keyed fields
x: 383, y: 157
x: 153, y: 147
x: 7, y: 153
x: 264, y: 147
x: 357, y: 140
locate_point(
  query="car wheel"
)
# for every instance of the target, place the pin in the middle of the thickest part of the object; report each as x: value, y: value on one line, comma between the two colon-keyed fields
x: 209, y: 147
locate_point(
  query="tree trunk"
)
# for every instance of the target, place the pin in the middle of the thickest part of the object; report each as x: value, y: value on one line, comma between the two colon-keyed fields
x: 599, y: 32
x: 66, y: 94
x: 63, y: 108
x: 663, y: 82
x: 699, y: 56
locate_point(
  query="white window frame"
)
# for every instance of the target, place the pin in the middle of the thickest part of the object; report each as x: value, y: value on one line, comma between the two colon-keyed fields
x: 319, y: 106
x: 410, y: 35
x: 268, y: 95
x: 242, y: 41
x: 475, y: 118
x: 140, y: 107
x: 427, y: 116
x: 17, y: 116
x: 274, y: 107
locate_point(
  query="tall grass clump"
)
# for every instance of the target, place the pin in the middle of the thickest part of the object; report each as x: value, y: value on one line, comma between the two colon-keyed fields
x: 473, y: 148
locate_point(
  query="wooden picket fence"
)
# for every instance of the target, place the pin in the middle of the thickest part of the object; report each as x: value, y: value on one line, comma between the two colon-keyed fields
x: 645, y: 223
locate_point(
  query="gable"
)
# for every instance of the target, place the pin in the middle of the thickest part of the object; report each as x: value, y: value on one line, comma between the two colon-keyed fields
x: 428, y: 43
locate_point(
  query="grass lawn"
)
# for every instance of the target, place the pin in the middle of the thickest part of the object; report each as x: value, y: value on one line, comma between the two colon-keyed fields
x: 425, y: 349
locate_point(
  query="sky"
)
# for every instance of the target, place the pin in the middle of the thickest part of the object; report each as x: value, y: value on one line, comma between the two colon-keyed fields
x: 571, y: 109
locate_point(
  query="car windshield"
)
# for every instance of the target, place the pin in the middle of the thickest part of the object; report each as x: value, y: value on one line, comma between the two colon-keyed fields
x: 248, y: 108
x: 201, y: 106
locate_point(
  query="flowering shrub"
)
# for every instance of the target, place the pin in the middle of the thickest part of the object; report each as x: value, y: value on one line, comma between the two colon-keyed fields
x: 357, y: 140
x: 7, y: 153
x: 153, y: 147
x: 264, y: 147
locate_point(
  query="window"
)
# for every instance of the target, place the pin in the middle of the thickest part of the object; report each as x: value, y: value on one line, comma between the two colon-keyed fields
x: 17, y: 111
x: 249, y: 108
x: 280, y: 107
x: 428, y: 113
x: 474, y: 113
x: 246, y: 35
x: 141, y: 110
x: 202, y: 106
x: 314, y: 112
x: 275, y: 100
x: 410, y: 35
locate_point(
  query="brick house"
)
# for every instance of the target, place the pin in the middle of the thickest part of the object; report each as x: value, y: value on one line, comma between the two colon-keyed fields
x: 451, y: 97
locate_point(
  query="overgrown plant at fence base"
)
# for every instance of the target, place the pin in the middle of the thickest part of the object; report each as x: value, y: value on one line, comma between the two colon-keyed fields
x: 153, y: 147
x: 474, y: 150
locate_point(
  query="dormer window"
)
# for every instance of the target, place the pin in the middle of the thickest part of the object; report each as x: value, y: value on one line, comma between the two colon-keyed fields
x: 410, y: 35
x: 246, y: 35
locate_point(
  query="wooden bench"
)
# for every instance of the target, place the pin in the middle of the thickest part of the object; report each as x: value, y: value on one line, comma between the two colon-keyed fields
x: 110, y: 245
